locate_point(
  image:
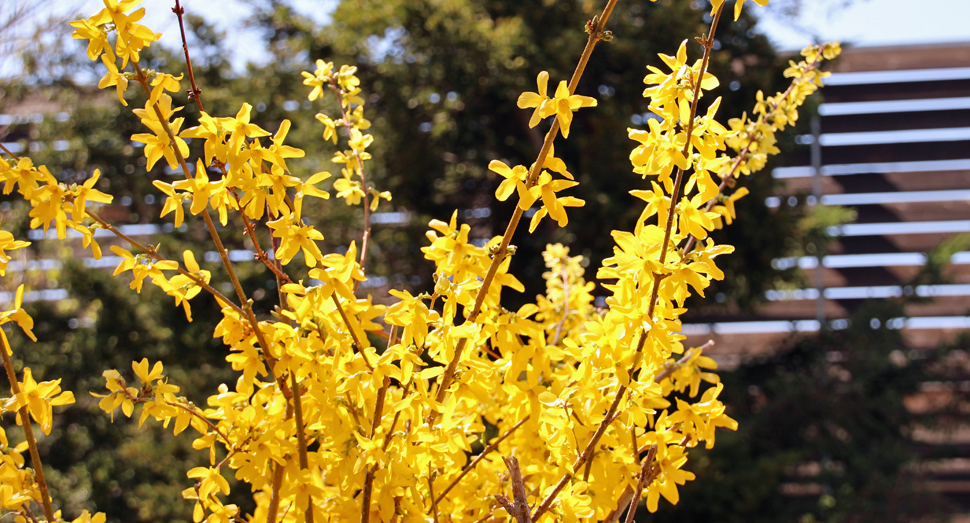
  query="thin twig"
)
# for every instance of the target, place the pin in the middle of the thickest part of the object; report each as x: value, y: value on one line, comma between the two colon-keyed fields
x: 12, y: 155
x: 668, y: 228
x: 197, y: 414
x: 565, y: 306
x: 230, y: 454
x: 261, y: 255
x: 301, y: 439
x: 434, y: 504
x: 397, y: 416
x: 154, y: 254
x: 485, y: 452
x: 369, y: 477
x: 667, y: 372
x: 30, y: 513
x: 195, y: 93
x: 28, y: 431
x: 224, y: 255
x: 353, y: 332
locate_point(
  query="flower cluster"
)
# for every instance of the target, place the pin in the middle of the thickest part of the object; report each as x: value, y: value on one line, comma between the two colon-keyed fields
x: 324, y: 425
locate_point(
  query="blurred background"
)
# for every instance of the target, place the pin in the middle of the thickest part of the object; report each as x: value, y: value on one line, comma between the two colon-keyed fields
x: 840, y: 326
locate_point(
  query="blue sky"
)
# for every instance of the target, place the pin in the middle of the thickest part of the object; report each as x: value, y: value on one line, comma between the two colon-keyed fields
x: 869, y: 22
x: 864, y: 22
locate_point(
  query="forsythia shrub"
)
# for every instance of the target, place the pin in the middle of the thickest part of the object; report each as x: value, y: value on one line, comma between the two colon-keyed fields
x: 590, y: 409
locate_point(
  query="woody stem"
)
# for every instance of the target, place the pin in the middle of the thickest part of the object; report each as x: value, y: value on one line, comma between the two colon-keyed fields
x: 28, y: 430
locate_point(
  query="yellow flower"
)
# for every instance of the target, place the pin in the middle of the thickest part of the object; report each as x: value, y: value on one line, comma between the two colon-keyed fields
x: 87, y: 238
x: 7, y: 242
x: 715, y: 4
x: 24, y: 175
x: 562, y: 104
x: 132, y: 37
x: 86, y: 517
x: 349, y: 190
x: 323, y: 75
x: 308, y: 188
x: 295, y: 236
x: 87, y: 192
x: 118, y: 394
x: 546, y: 188
x: 159, y: 145
x: 183, y: 289
x: 565, y: 104
x: 97, y: 36
x: 329, y: 127
x: 240, y: 128
x: 141, y: 267
x: 376, y: 198
x: 113, y: 77
x: 345, y: 77
x: 514, y: 180
x: 48, y: 203
x: 412, y: 314
x: 39, y: 398
x: 142, y: 372
x: 538, y: 100
x: 19, y: 315
x: 172, y: 203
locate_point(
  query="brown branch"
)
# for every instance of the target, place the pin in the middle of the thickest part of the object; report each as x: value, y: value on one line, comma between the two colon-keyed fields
x: 261, y: 255
x: 12, y: 155
x: 197, y: 414
x: 28, y: 431
x: 272, y: 515
x: 150, y: 251
x: 595, y: 35
x: 647, y: 474
x: 230, y: 454
x: 565, y: 310
x: 378, y: 414
x: 30, y: 513
x: 397, y: 416
x: 434, y: 504
x: 246, y: 303
x: 301, y: 438
x: 485, y: 452
x: 668, y: 228
x: 353, y: 333
x: 518, y: 508
x: 667, y: 372
x: 196, y: 93
x: 369, y: 477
